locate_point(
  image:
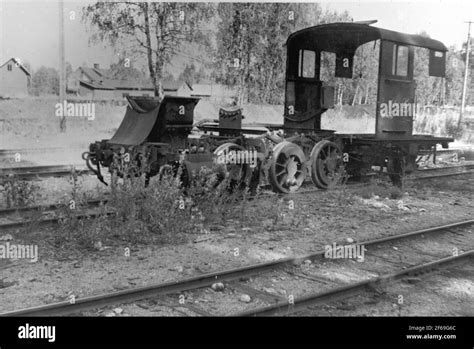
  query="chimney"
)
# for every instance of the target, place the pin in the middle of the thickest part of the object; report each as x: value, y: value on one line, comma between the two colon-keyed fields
x: 96, y: 66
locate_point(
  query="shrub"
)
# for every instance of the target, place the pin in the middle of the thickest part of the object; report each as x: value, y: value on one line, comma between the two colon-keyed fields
x: 19, y: 193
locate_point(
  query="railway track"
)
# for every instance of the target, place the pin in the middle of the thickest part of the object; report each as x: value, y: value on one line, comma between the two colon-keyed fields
x: 44, y: 214
x: 36, y: 172
x: 22, y: 151
x: 42, y: 171
x: 466, y: 152
x: 381, y: 255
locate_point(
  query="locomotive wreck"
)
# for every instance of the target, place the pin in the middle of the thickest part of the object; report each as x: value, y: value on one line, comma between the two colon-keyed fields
x: 158, y: 133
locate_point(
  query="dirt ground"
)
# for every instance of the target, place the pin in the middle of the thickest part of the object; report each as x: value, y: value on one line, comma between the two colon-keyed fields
x: 315, y: 220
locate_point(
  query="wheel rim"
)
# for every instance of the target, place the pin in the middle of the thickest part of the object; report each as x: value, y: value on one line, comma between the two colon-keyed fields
x: 236, y: 173
x: 288, y: 168
x: 166, y: 171
x: 327, y: 167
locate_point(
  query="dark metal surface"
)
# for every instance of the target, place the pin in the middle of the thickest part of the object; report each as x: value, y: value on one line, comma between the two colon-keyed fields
x: 332, y: 37
x: 135, y: 127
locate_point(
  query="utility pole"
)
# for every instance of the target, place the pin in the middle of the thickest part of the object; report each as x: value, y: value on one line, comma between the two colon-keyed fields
x: 62, y: 66
x: 466, y: 73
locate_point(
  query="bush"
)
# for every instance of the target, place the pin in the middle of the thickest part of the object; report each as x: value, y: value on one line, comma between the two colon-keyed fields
x: 162, y: 211
x: 19, y: 193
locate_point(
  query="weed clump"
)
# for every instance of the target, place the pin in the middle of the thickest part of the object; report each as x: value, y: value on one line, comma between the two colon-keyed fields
x: 19, y: 193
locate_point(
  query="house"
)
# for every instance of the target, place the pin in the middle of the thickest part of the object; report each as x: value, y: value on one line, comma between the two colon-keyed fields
x: 177, y: 88
x: 214, y: 92
x: 94, y: 83
x: 14, y: 79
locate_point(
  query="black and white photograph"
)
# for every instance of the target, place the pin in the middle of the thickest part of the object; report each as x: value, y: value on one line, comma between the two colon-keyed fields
x: 312, y: 161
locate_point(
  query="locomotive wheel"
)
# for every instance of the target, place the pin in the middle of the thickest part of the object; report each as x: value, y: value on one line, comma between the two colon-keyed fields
x: 327, y: 167
x: 288, y: 167
x: 166, y: 171
x: 238, y: 174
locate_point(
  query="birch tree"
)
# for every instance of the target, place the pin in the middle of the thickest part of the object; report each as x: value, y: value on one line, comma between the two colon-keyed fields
x: 156, y: 30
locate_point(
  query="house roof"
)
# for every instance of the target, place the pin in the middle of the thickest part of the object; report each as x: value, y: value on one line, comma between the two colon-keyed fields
x: 95, y: 86
x: 17, y: 62
x: 99, y: 80
x: 93, y: 74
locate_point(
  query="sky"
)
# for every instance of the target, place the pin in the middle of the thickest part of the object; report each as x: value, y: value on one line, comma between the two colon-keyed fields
x: 29, y: 29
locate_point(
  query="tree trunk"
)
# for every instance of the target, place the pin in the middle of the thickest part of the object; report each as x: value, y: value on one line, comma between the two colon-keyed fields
x: 355, y: 95
x: 160, y: 52
x: 148, y: 43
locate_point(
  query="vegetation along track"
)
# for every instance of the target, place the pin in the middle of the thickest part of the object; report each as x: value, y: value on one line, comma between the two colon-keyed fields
x: 288, y: 285
x: 48, y: 216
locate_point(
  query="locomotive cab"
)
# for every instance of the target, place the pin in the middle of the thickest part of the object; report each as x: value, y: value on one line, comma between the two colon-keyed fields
x: 307, y: 97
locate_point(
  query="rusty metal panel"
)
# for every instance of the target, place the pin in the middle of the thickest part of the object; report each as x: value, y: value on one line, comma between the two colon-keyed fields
x: 344, y: 64
x: 135, y: 127
x: 437, y: 64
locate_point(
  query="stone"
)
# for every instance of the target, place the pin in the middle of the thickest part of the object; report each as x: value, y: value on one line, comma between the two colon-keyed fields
x: 177, y: 268
x: 118, y: 311
x: 269, y: 290
x: 6, y: 237
x: 218, y: 287
x: 245, y: 298
x: 98, y: 245
x: 350, y: 240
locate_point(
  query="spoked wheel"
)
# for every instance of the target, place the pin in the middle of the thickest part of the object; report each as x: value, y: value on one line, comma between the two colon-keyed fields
x: 288, y: 167
x: 327, y: 166
x: 237, y: 173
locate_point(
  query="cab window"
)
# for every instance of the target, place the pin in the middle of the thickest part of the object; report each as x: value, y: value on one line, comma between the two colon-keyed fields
x: 400, y: 60
x: 307, y: 64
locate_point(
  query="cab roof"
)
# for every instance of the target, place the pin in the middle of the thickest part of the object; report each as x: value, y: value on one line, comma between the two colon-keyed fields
x: 342, y: 36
